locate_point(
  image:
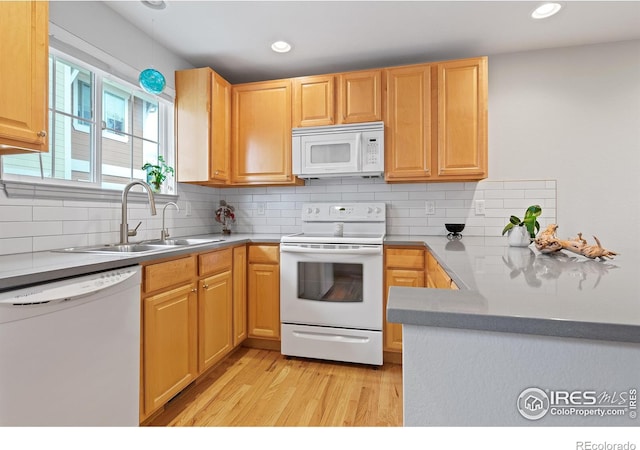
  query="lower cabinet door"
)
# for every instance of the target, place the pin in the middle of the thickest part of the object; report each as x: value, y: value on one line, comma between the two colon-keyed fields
x: 264, y: 301
x: 397, y: 277
x: 170, y: 344
x: 215, y: 305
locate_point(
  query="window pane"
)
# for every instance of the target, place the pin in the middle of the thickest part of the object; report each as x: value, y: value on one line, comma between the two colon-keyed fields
x: 128, y: 130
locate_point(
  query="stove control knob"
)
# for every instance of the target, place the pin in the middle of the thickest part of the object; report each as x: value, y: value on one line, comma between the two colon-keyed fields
x: 309, y: 210
x: 378, y: 210
x: 317, y: 210
x: 369, y: 210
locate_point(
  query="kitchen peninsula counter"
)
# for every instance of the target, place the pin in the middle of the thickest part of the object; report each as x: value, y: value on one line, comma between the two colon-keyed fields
x: 520, y: 320
x: 518, y: 289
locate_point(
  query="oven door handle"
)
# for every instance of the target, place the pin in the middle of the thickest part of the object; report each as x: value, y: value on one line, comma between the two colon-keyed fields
x: 374, y: 250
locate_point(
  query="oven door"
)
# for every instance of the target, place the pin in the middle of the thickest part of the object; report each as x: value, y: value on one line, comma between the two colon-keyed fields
x: 332, y: 285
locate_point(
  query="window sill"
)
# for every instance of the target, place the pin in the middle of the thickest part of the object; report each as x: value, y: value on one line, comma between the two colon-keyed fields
x: 22, y: 189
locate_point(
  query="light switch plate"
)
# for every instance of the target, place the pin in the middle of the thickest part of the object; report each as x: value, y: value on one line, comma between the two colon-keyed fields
x: 479, y: 207
x: 429, y: 207
x: 260, y: 210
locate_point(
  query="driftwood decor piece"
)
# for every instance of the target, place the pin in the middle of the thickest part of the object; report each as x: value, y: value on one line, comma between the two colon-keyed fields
x: 548, y: 242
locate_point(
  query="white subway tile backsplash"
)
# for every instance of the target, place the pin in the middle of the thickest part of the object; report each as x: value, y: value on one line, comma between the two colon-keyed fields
x: 31, y: 225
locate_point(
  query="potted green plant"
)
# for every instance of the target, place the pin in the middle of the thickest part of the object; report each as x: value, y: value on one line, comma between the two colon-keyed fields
x: 522, y: 232
x: 157, y: 173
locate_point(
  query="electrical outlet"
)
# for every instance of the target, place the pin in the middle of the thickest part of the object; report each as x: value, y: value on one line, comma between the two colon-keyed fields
x: 187, y: 208
x: 479, y: 207
x: 430, y: 207
x: 260, y: 210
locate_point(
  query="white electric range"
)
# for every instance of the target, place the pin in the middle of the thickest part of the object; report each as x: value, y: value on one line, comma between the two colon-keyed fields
x: 331, y: 283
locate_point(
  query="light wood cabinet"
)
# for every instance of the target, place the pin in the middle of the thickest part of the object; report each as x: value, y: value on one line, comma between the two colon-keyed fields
x: 264, y: 292
x: 436, y: 118
x: 462, y: 119
x: 239, y: 295
x: 24, y: 79
x: 339, y: 98
x: 261, y: 134
x: 360, y: 96
x: 403, y: 267
x: 215, y: 307
x: 169, y: 344
x: 437, y: 277
x: 314, y: 101
x: 215, y: 312
x: 203, y: 126
x: 408, y: 120
x: 187, y: 321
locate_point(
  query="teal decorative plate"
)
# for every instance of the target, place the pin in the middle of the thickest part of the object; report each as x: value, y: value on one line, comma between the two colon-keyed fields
x: 152, y: 81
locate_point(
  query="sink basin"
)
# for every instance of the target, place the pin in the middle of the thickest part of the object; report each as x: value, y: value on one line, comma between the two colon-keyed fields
x: 142, y: 247
x: 114, y: 248
x: 174, y: 242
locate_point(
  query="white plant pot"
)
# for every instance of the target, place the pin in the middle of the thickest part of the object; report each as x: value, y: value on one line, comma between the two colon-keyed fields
x: 519, y: 237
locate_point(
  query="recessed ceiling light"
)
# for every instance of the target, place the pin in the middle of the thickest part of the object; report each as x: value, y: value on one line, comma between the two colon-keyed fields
x: 546, y: 10
x: 281, y: 47
x: 154, y: 4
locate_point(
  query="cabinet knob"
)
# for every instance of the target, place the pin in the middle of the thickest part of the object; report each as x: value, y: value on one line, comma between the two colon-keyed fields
x: 42, y: 134
x: 194, y: 290
x: 216, y: 172
x: 205, y: 286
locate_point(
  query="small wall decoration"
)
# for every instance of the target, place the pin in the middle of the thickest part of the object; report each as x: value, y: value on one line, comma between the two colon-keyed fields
x: 225, y: 216
x: 548, y: 242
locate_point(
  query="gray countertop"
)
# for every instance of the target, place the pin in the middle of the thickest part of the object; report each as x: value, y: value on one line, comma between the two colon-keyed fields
x: 38, y: 267
x: 520, y: 290
x: 501, y: 288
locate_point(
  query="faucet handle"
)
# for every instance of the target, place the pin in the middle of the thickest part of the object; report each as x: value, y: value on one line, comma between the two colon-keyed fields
x: 135, y: 230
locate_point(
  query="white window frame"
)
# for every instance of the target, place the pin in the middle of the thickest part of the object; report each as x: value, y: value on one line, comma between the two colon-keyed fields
x: 26, y: 186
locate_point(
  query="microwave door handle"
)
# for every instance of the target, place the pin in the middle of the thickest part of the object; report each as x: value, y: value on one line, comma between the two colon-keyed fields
x: 359, y: 150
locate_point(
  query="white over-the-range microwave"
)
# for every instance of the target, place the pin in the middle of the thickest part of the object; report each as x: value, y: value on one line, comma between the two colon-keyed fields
x: 339, y: 150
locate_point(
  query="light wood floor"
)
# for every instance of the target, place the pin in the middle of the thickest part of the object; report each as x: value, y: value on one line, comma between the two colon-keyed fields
x: 255, y: 387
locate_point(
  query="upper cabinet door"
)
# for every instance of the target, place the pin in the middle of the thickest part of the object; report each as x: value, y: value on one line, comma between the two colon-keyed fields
x: 408, y: 115
x: 219, y: 167
x: 314, y: 101
x: 24, y: 80
x: 261, y: 133
x: 203, y: 126
x: 462, y: 119
x: 360, y: 96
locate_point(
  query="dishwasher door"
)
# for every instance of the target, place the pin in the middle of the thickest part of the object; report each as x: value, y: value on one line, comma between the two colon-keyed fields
x: 70, y: 352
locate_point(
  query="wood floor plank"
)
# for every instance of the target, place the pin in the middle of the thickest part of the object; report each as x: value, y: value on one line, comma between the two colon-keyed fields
x: 255, y: 387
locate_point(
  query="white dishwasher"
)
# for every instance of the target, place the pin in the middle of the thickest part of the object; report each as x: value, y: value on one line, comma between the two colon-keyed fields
x: 70, y: 351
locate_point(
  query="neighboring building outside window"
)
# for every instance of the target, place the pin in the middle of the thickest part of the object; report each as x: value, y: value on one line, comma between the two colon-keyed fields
x: 101, y: 130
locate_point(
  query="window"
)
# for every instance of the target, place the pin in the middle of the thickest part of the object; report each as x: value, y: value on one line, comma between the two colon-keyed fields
x: 102, y: 130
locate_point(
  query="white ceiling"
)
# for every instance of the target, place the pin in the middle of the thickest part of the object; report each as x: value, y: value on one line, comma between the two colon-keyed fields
x: 234, y: 37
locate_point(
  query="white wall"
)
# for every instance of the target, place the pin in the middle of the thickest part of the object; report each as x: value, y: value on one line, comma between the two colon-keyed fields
x: 106, y: 30
x: 573, y: 115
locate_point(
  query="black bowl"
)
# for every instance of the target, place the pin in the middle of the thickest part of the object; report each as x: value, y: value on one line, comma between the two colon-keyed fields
x: 454, y: 227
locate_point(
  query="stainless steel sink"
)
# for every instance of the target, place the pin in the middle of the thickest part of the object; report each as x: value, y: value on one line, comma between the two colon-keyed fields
x: 178, y: 242
x: 142, y: 247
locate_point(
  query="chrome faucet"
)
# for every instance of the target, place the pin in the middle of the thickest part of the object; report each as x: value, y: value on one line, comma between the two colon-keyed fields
x: 125, y: 232
x: 164, y: 234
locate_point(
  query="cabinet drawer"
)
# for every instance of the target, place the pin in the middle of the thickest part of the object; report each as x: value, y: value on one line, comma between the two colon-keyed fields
x: 169, y: 273
x: 214, y: 261
x: 264, y: 254
x: 405, y: 258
